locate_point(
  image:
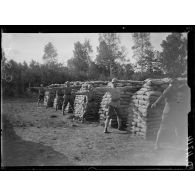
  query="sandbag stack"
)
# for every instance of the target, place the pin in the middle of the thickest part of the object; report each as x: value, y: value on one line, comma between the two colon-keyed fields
x: 124, y: 101
x: 92, y: 108
x: 144, y: 120
x: 94, y: 84
x: 58, y: 101
x: 49, y: 97
x: 75, y: 84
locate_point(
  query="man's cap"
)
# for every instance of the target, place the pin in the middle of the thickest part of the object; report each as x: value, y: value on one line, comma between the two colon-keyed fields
x: 89, y: 86
x: 114, y: 80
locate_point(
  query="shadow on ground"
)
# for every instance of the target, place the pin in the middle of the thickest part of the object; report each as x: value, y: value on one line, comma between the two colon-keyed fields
x: 17, y: 152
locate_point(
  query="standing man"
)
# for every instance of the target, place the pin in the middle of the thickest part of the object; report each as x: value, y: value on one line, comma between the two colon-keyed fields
x: 68, y: 97
x: 59, y: 99
x: 114, y: 104
x: 41, y: 94
x: 173, y: 117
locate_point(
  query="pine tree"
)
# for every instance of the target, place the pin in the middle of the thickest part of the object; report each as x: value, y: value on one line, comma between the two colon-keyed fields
x: 143, y: 51
x: 110, y: 54
x: 174, y: 54
x: 81, y: 61
x: 50, y: 53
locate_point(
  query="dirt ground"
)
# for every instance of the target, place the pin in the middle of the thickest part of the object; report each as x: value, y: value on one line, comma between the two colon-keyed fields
x: 36, y: 136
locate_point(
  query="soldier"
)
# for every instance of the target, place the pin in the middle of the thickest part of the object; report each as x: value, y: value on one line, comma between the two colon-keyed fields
x: 59, y: 98
x: 68, y: 97
x: 41, y: 94
x: 113, y: 106
x: 174, y: 115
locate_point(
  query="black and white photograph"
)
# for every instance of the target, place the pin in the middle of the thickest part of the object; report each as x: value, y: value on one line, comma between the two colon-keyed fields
x: 95, y: 99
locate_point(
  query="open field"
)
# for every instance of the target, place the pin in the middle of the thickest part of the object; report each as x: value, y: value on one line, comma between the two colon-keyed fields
x: 36, y: 136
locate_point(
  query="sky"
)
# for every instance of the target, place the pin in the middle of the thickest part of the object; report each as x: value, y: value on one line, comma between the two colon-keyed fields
x: 27, y: 46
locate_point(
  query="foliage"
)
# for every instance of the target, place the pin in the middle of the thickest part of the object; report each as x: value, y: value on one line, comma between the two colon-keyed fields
x: 143, y: 51
x: 50, y: 53
x: 110, y: 61
x: 174, y: 54
x: 110, y: 54
x: 80, y: 62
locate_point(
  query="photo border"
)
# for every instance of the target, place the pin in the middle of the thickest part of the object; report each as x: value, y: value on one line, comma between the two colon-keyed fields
x: 190, y: 30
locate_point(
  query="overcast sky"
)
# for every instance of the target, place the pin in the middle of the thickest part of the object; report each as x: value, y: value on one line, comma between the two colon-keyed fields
x: 27, y: 46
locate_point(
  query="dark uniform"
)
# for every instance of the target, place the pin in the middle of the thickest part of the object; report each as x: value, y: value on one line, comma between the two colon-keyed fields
x: 68, y: 98
x: 41, y: 94
x: 60, y: 99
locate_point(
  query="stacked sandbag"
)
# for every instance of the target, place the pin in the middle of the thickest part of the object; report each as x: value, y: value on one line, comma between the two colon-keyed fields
x: 144, y: 120
x: 104, y: 109
x: 124, y: 101
x: 68, y: 108
x: 58, y: 101
x: 92, y: 108
x: 78, y: 106
x: 94, y: 84
x: 49, y: 97
x: 75, y: 84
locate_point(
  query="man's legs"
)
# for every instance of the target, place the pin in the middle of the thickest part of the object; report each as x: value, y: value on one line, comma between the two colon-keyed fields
x: 119, y: 123
x: 157, y: 143
x: 106, y: 124
x: 57, y: 102
x: 65, y: 102
x: 84, y: 117
x: 40, y: 98
x: 110, y: 114
x: 38, y: 102
x: 166, y: 123
x: 182, y: 129
x: 71, y: 102
x: 118, y: 118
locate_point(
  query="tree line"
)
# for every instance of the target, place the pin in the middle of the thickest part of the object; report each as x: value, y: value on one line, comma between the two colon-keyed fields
x: 111, y: 61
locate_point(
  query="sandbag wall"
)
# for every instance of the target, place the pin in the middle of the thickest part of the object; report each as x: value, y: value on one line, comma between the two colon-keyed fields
x: 59, y: 98
x: 124, y: 101
x: 92, y: 108
x: 144, y: 120
x: 58, y: 101
x: 49, y: 97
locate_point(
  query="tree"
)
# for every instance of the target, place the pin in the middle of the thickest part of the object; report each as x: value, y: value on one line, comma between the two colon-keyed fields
x: 143, y: 51
x: 6, y: 69
x: 126, y: 71
x: 50, y: 53
x: 81, y: 61
x: 174, y: 53
x: 110, y: 54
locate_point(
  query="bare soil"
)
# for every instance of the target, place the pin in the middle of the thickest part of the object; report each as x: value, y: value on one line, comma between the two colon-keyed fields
x: 36, y: 136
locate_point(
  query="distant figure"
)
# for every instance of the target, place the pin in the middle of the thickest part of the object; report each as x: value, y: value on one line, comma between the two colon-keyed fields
x: 174, y: 117
x: 41, y: 94
x: 114, y: 104
x: 89, y: 99
x: 59, y: 99
x: 68, y: 97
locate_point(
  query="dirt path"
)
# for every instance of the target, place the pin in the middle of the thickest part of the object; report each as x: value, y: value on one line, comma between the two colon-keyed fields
x: 45, y: 137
